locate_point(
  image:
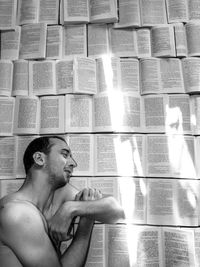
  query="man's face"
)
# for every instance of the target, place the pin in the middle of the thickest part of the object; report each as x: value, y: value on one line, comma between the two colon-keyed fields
x: 59, y: 162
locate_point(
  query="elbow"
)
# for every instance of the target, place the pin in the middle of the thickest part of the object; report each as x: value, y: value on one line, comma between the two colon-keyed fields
x: 115, y: 210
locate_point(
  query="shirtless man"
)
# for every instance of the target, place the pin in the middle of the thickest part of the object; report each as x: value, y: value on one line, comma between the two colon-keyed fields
x: 36, y: 218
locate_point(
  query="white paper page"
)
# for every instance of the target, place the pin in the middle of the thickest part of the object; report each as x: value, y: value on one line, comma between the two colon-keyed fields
x: 123, y: 42
x: 64, y: 76
x: 132, y: 196
x: 10, y: 44
x: 54, y: 42
x: 82, y: 148
x: 6, y: 77
x: 42, y: 79
x: 6, y: 115
x: 178, y: 246
x: 194, y: 9
x: 48, y: 11
x: 177, y: 10
x: 129, y: 14
x: 74, y: 42
x: 76, y: 11
x: 20, y: 77
x: 8, y: 9
x: 192, y: 35
x: 153, y: 12
x: 162, y: 41
x: 7, y: 157
x: 51, y: 114
x: 33, y: 41
x: 143, y: 42
x: 26, y: 118
x: 27, y: 11
x: 180, y: 40
x: 98, y: 44
x: 103, y: 11
x: 78, y: 113
x: 22, y: 143
x: 117, y: 111
x: 191, y: 68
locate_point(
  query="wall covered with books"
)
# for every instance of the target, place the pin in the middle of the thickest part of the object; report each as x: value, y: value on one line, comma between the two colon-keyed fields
x: 120, y: 81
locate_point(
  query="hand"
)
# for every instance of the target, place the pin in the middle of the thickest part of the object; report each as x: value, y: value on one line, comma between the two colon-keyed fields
x: 88, y: 194
x: 60, y: 223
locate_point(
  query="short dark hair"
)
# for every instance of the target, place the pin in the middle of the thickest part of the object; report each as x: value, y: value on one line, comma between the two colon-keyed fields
x: 41, y: 144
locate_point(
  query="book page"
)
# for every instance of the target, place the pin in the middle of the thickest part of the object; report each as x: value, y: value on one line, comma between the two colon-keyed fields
x: 76, y: 11
x: 197, y: 246
x: 129, y: 245
x: 6, y: 77
x: 130, y: 77
x: 192, y: 35
x: 64, y: 76
x: 10, y: 44
x: 98, y: 44
x: 22, y: 143
x: 143, y: 42
x: 178, y: 247
x: 33, y: 41
x: 48, y: 11
x: 119, y: 154
x: 9, y: 186
x: 180, y: 103
x: 177, y: 10
x: 42, y: 80
x: 6, y: 115
x: 54, y: 42
x: 51, y: 114
x: 191, y: 68
x: 154, y: 112
x: 7, y: 157
x: 75, y: 41
x: 195, y: 114
x: 129, y: 14
x: 108, y: 74
x: 82, y: 148
x: 180, y: 40
x: 27, y: 11
x: 26, y: 118
x: 162, y: 41
x: 123, y: 42
x: 194, y: 9
x: 117, y: 111
x: 132, y: 197
x: 150, y: 76
x: 172, y: 202
x: 8, y: 10
x: 84, y: 75
x: 103, y: 11
x: 153, y: 12
x: 78, y: 113
x: 171, y: 76
x: 96, y: 254
x: 20, y: 77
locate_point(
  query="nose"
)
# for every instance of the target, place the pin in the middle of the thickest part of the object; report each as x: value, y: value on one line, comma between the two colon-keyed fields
x: 73, y: 162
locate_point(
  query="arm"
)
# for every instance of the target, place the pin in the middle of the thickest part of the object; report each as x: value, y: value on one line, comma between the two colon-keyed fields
x: 23, y: 230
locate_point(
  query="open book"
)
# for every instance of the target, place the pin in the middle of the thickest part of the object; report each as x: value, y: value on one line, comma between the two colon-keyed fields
x: 45, y: 11
x: 93, y: 11
x: 8, y: 11
x: 62, y: 76
x: 135, y: 13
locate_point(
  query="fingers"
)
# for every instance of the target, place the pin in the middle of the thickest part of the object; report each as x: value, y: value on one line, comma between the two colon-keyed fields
x: 89, y: 194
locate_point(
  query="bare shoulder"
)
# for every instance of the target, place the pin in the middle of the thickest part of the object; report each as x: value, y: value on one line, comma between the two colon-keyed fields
x: 16, y: 215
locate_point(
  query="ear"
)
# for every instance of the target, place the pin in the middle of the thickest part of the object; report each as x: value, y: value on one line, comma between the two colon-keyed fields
x: 39, y: 158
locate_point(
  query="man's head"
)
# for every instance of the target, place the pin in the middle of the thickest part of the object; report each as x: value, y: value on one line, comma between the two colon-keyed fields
x: 52, y: 154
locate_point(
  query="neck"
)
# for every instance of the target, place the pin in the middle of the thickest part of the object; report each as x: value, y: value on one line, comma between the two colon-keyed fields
x: 37, y: 190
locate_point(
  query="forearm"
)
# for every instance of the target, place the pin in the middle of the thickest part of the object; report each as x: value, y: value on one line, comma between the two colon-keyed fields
x: 76, y: 254
x: 105, y: 210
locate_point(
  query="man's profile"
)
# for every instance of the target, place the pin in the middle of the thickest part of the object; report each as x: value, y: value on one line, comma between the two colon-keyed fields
x: 38, y: 217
